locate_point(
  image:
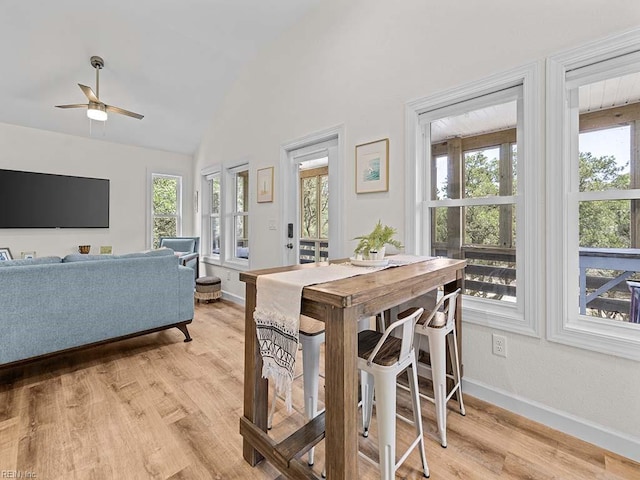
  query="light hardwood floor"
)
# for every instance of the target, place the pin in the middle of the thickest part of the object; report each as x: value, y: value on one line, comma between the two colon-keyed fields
x: 155, y: 407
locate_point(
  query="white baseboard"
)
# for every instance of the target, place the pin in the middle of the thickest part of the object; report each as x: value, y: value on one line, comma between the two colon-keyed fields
x: 617, y: 442
x: 233, y: 298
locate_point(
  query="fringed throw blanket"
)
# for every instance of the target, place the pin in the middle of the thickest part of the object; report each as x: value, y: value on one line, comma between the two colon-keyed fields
x: 277, y: 317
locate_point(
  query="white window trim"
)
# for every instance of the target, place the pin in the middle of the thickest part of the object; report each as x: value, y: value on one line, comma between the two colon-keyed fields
x: 151, y: 215
x: 206, y: 214
x: 523, y: 318
x: 564, y: 323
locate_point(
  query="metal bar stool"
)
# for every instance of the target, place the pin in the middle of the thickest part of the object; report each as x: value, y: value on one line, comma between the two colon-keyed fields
x: 381, y: 358
x: 439, y: 325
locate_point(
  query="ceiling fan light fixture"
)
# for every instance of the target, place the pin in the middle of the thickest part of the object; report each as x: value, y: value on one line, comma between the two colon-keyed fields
x: 96, y: 111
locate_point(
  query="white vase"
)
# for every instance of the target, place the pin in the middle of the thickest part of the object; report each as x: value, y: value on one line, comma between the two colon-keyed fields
x: 379, y: 255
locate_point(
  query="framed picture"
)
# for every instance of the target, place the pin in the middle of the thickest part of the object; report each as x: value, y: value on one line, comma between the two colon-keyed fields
x: 5, y: 254
x: 372, y: 167
x: 106, y: 250
x: 265, y: 185
x: 27, y: 255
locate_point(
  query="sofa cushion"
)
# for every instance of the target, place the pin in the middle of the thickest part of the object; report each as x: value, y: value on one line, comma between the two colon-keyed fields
x: 30, y: 261
x: 79, y: 257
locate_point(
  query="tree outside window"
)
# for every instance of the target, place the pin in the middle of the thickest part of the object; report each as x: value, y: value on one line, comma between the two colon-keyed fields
x: 166, y: 190
x: 214, y: 214
x: 314, y: 214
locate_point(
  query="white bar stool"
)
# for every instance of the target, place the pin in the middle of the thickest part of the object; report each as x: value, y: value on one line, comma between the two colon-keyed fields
x: 381, y: 358
x: 311, y: 339
x: 437, y: 327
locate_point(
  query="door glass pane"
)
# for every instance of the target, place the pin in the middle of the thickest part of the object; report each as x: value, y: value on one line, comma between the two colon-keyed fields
x: 324, y: 206
x: 314, y: 210
x: 309, y: 222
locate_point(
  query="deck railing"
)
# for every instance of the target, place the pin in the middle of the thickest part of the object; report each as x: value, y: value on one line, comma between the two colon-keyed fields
x: 313, y: 250
x: 491, y: 273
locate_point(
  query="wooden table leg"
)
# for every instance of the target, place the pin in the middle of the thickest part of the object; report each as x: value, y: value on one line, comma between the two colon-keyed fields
x: 256, y: 388
x: 341, y: 397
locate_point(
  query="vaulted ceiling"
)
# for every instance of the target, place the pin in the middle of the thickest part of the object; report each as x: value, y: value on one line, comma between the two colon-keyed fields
x: 172, y: 61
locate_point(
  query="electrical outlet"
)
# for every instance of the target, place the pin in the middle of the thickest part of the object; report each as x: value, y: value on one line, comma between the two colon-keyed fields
x: 499, y: 345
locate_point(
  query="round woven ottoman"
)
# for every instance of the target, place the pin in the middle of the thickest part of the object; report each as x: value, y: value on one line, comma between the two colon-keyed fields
x: 208, y: 288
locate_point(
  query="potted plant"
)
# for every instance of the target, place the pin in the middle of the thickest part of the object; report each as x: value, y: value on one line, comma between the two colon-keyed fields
x: 372, y: 246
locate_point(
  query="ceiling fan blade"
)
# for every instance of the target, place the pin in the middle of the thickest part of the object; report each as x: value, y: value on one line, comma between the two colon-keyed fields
x: 75, y: 105
x: 122, y: 111
x: 89, y: 93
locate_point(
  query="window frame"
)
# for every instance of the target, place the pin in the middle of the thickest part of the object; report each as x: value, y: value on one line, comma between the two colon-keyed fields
x: 523, y: 317
x: 230, y: 213
x: 566, y: 71
x: 208, y: 214
x: 227, y: 173
x: 178, y: 216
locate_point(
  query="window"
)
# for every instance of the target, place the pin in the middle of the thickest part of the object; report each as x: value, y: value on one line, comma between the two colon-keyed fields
x: 166, y: 192
x: 473, y: 176
x: 480, y: 170
x: 239, y: 213
x: 214, y: 230
x: 225, y: 220
x: 594, y: 115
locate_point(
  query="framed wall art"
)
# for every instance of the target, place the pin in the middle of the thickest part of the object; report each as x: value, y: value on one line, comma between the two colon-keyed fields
x: 372, y: 167
x: 5, y: 254
x: 265, y: 185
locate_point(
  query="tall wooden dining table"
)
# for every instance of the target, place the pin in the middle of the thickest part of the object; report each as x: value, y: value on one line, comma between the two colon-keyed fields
x: 339, y: 304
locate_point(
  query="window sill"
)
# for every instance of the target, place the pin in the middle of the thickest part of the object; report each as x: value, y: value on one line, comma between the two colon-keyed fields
x: 494, y: 314
x: 597, y: 335
x: 210, y: 260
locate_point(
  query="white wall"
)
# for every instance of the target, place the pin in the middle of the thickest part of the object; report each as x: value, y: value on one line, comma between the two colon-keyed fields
x: 356, y: 64
x: 126, y: 167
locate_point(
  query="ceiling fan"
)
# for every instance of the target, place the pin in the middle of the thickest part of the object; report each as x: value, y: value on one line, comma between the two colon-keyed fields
x: 97, y: 110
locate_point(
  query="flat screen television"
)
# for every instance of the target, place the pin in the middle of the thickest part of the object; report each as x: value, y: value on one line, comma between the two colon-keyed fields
x: 43, y: 200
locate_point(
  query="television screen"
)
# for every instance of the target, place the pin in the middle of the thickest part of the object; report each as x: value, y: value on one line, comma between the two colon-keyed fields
x: 42, y: 200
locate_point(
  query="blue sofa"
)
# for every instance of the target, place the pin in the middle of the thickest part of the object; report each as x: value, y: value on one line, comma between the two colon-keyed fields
x: 50, y: 305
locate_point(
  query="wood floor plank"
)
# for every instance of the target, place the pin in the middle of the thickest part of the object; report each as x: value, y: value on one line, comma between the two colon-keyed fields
x: 154, y: 407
